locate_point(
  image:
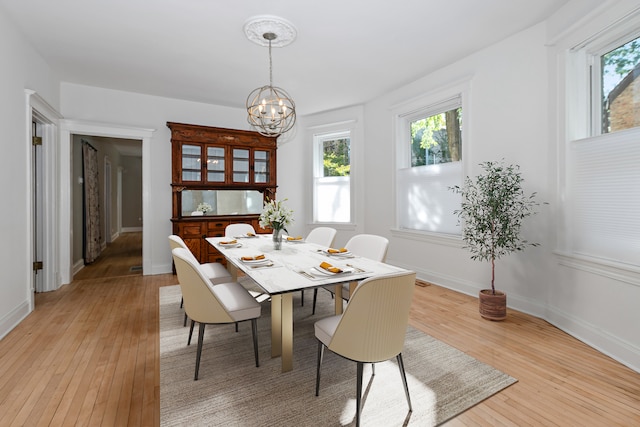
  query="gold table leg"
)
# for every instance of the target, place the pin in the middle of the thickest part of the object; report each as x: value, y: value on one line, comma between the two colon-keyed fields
x: 338, y: 298
x: 276, y: 325
x: 287, y: 332
x: 282, y: 329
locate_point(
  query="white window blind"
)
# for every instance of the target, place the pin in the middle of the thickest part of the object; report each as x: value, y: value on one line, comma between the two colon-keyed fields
x: 604, y: 191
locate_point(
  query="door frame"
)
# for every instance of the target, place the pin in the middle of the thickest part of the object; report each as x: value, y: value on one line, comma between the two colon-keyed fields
x: 38, y: 110
x: 67, y: 129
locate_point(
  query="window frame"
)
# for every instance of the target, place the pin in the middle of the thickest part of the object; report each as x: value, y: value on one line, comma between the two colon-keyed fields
x: 582, y: 124
x: 319, y: 139
x: 454, y: 95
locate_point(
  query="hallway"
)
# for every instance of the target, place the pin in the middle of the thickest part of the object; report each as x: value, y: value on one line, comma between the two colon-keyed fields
x: 122, y: 257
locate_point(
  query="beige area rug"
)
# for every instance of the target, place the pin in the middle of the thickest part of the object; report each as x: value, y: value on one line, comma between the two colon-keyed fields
x: 231, y: 391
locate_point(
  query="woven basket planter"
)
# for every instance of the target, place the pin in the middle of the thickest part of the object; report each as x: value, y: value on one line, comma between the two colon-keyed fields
x: 493, y: 306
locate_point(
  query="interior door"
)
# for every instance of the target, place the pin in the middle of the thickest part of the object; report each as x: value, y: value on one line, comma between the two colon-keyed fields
x: 37, y: 191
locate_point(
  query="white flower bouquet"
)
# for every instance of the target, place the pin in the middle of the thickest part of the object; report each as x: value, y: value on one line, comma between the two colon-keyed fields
x: 275, y: 215
x: 204, y: 207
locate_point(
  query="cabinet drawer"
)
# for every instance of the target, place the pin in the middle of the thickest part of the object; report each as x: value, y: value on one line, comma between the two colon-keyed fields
x: 190, y: 230
x: 216, y: 227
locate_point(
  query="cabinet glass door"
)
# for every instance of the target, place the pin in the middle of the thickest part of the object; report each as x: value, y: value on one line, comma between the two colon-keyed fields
x: 240, y: 165
x: 261, y: 166
x: 215, y: 164
x: 191, y: 162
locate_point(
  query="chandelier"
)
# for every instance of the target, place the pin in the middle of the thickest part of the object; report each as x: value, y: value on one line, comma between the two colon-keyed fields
x: 271, y: 111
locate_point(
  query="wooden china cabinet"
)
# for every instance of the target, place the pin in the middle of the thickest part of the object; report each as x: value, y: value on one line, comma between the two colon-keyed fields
x: 230, y: 171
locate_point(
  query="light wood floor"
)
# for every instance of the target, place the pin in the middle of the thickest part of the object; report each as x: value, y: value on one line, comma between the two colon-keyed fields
x: 88, y: 356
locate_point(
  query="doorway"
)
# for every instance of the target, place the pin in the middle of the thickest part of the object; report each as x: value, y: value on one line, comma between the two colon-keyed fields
x: 120, y: 159
x: 69, y: 128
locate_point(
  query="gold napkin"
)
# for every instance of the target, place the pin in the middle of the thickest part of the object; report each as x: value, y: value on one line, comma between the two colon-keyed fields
x: 337, y: 251
x: 252, y: 258
x: 229, y: 242
x: 330, y: 268
x: 294, y: 238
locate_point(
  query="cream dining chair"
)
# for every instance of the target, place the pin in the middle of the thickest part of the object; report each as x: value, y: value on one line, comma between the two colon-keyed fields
x: 365, y: 245
x: 371, y: 329
x: 240, y: 229
x: 214, y: 271
x: 209, y: 304
x: 322, y: 236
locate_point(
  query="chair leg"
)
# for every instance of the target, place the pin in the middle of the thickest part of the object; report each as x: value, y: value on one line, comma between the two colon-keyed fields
x: 320, y: 354
x: 373, y: 369
x: 315, y: 297
x: 404, y: 379
x: 302, y: 298
x: 200, y: 339
x: 254, y: 331
x: 359, y: 391
x: 191, y: 332
x: 236, y: 326
x: 185, y: 320
x: 181, y: 302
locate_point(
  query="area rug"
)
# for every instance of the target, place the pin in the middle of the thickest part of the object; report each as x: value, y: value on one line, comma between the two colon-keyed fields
x: 231, y: 391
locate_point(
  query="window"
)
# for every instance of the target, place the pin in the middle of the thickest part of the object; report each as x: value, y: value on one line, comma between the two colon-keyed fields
x: 331, y: 177
x: 620, y: 87
x: 436, y: 139
x: 602, y: 186
x: 429, y: 162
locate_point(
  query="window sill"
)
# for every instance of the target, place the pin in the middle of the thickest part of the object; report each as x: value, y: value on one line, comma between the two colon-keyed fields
x: 610, y: 269
x: 443, y: 239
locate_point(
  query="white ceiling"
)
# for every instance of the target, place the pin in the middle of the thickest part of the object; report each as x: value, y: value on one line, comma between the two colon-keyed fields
x: 347, y: 51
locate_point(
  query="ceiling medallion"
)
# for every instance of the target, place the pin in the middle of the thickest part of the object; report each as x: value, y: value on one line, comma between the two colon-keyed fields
x: 271, y: 111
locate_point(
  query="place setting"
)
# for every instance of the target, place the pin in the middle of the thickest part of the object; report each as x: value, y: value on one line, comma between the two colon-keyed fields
x: 257, y: 261
x: 337, y: 253
x: 325, y: 269
x: 248, y: 235
x: 230, y: 243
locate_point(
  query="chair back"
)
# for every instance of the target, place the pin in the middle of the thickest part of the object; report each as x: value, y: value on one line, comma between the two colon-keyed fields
x: 374, y: 324
x: 322, y: 236
x: 369, y: 246
x: 177, y: 242
x: 233, y: 230
x: 200, y: 303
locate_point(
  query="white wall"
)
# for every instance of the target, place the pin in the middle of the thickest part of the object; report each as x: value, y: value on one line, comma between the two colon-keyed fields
x: 516, y: 88
x: 22, y: 68
x: 92, y: 104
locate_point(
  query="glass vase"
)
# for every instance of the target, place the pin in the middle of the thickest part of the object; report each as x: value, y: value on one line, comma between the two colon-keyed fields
x: 277, y: 239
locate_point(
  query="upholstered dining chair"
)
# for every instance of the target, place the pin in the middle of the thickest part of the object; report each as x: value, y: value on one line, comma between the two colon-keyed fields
x: 322, y: 236
x: 233, y: 230
x: 209, y: 304
x: 371, y: 329
x: 365, y: 245
x: 214, y: 271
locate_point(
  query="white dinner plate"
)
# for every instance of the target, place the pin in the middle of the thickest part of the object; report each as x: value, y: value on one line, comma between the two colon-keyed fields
x: 256, y: 261
x: 230, y: 245
x: 347, y: 254
x: 294, y: 241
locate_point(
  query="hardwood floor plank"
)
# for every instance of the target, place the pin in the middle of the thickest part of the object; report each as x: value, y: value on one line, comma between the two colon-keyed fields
x: 89, y: 355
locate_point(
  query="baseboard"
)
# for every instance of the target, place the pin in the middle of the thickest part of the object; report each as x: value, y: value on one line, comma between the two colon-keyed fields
x: 624, y: 352
x: 79, y: 265
x: 13, y: 318
x: 131, y: 229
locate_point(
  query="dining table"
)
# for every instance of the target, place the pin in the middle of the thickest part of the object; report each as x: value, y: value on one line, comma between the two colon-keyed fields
x: 297, y: 266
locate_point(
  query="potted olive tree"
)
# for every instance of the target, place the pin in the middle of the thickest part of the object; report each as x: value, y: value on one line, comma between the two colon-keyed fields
x: 492, y: 211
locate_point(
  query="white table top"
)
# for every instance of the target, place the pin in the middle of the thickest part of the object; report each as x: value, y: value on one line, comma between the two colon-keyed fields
x: 293, y: 265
